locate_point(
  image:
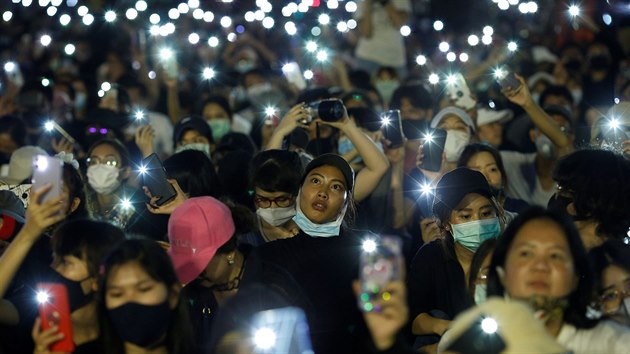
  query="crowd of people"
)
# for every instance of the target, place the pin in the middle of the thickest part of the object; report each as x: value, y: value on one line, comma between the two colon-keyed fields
x: 507, y: 194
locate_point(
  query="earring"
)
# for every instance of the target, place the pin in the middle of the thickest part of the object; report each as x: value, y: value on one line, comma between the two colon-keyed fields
x: 230, y: 259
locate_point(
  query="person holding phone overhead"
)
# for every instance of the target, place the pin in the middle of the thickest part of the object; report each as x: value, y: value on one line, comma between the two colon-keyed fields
x: 467, y: 214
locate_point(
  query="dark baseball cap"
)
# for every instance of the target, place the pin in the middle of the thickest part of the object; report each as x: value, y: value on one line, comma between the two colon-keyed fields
x: 455, y: 185
x: 335, y: 161
x: 194, y: 123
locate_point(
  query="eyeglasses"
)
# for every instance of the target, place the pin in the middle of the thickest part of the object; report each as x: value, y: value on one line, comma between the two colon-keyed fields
x: 611, y: 295
x: 281, y: 202
x: 93, y: 161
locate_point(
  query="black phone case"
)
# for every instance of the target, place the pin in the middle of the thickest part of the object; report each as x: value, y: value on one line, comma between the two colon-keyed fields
x: 433, y: 150
x: 393, y: 131
x: 509, y: 82
x: 155, y: 180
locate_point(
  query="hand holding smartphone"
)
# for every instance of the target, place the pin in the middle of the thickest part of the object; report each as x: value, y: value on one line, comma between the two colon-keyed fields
x: 380, y: 263
x: 507, y: 80
x: 281, y: 330
x: 154, y: 178
x: 54, y: 310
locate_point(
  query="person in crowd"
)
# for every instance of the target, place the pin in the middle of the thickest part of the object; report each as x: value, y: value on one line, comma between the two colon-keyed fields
x: 379, y: 34
x: 490, y: 125
x: 11, y: 217
x: 487, y: 160
x: 386, y: 82
x: 540, y: 260
x: 21, y: 164
x: 203, y: 234
x: 12, y: 137
x: 591, y: 190
x: 217, y: 113
x: 611, y: 264
x: 529, y: 175
x: 193, y: 133
x: 467, y: 215
x: 108, y: 171
x: 140, y: 305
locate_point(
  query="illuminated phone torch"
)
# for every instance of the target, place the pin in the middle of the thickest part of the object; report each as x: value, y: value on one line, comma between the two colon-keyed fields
x: 51, y: 125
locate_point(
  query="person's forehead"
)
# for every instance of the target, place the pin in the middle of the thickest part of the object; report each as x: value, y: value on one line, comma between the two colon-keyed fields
x: 329, y: 171
x: 105, y: 150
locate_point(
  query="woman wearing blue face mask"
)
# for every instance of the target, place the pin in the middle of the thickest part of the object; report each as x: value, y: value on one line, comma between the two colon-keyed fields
x: 467, y: 215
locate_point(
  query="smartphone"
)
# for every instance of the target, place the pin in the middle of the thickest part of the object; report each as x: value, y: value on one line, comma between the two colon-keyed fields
x: 414, y: 129
x: 47, y: 169
x: 508, y: 81
x: 281, y: 330
x: 54, y: 310
x: 459, y: 92
x: 294, y: 75
x: 154, y: 178
x: 379, y: 263
x: 170, y: 68
x: 433, y: 149
x: 392, y: 128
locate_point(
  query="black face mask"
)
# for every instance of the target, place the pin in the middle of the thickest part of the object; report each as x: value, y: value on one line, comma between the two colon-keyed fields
x: 76, y: 297
x: 142, y: 325
x: 599, y: 62
x: 559, y: 204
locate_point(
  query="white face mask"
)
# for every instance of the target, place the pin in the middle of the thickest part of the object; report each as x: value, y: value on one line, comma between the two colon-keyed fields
x: 103, y: 178
x: 205, y: 148
x: 480, y: 293
x: 276, y: 216
x: 455, y: 143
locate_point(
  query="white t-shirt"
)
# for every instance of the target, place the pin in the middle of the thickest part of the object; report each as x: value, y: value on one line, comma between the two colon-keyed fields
x: 386, y: 46
x: 606, y: 338
x: 522, y: 179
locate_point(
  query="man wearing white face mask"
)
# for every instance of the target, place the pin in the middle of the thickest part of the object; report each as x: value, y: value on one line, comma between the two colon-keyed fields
x: 460, y: 131
x: 530, y: 175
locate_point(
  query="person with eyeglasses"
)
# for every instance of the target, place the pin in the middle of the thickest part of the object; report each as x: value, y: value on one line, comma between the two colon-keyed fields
x: 108, y: 169
x: 611, y: 263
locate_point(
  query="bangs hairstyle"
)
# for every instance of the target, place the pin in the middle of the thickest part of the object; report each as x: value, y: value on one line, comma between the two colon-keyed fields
x: 196, y: 179
x: 88, y: 240
x: 580, y: 298
x: 117, y: 145
x: 276, y: 171
x: 154, y: 260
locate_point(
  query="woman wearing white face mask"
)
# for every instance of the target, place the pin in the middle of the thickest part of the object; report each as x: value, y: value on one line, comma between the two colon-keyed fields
x: 107, y: 173
x: 467, y: 215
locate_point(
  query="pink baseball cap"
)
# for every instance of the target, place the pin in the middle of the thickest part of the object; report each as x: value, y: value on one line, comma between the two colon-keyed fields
x: 196, y: 230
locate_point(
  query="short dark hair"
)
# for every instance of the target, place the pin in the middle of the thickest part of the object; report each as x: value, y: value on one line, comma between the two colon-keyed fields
x: 580, y: 298
x: 555, y: 90
x: 276, y: 171
x: 88, y: 240
x: 417, y: 95
x: 154, y: 260
x: 196, y: 179
x: 15, y: 127
x: 219, y: 100
x: 599, y: 180
x: 473, y: 149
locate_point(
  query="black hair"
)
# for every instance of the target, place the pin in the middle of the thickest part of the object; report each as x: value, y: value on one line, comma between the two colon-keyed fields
x: 555, y: 90
x: 473, y: 149
x: 196, y: 179
x: 118, y: 146
x: 219, y: 100
x: 611, y: 252
x: 76, y: 189
x: 244, y: 222
x: 255, y: 71
x: 88, y: 240
x: 358, y: 95
x: 276, y: 171
x: 483, y: 251
x: 580, y: 298
x: 417, y: 95
x: 152, y: 258
x: 599, y: 182
x: 387, y: 69
x: 15, y: 127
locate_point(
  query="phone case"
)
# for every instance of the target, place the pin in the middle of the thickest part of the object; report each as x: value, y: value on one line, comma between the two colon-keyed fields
x: 393, y: 131
x: 433, y: 150
x: 378, y: 268
x: 509, y: 81
x: 155, y: 180
x: 48, y: 169
x: 287, y: 327
x: 56, y: 303
x: 459, y: 92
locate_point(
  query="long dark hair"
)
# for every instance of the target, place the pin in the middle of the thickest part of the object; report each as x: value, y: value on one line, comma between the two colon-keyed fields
x: 196, y: 179
x: 473, y: 149
x: 153, y: 259
x: 580, y: 298
x: 76, y: 189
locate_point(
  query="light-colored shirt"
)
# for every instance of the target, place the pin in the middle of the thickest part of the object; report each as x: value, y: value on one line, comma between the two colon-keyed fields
x: 522, y: 180
x: 606, y: 338
x: 386, y: 46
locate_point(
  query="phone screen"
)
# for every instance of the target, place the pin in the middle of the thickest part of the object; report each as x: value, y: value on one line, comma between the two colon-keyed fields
x: 380, y: 263
x: 281, y: 330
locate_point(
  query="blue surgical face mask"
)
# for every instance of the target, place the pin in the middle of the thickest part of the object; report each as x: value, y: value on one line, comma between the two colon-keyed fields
x: 472, y: 234
x: 329, y: 229
x: 203, y: 147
